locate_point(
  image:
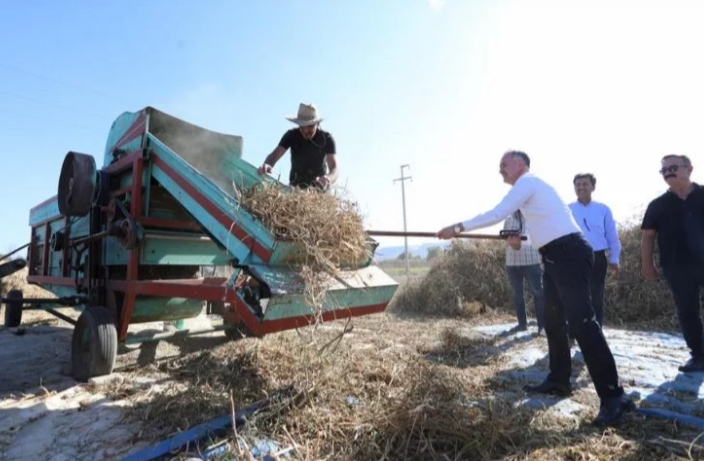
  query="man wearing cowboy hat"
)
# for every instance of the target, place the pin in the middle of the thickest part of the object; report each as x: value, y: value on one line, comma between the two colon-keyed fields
x: 313, y: 160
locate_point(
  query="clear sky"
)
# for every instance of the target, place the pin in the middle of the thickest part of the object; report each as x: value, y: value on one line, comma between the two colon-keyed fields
x: 444, y: 86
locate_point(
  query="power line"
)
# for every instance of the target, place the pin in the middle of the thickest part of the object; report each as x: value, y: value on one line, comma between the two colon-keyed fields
x: 50, y: 120
x: 54, y: 80
x: 51, y: 104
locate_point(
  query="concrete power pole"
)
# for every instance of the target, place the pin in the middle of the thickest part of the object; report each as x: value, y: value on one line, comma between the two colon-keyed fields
x: 403, y: 197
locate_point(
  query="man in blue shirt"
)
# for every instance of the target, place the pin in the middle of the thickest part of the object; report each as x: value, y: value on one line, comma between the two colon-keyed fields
x: 598, y: 226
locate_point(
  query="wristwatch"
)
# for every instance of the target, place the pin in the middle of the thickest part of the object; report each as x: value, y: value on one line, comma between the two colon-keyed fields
x: 458, y: 228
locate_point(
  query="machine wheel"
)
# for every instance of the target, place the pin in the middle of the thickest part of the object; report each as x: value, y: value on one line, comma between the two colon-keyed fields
x: 94, y: 346
x: 13, y: 309
x: 77, y: 184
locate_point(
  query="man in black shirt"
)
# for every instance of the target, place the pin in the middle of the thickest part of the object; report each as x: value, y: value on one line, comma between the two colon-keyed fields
x: 313, y: 155
x: 676, y: 220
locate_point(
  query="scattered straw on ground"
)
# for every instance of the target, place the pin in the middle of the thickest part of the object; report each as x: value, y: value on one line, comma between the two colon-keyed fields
x: 395, y: 389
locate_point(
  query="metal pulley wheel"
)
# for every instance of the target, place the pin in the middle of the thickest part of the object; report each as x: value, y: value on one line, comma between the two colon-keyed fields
x: 77, y: 184
x: 128, y: 234
x: 56, y: 242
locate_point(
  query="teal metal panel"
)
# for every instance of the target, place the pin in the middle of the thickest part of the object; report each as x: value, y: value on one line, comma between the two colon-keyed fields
x: 363, y: 287
x: 80, y: 227
x: 113, y: 253
x: 119, y: 127
x: 149, y: 309
x: 222, y: 196
x: 168, y: 249
x: 46, y: 211
x: 182, y: 251
x: 222, y: 234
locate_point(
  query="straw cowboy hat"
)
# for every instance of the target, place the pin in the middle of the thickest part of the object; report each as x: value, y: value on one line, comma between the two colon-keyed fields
x: 307, y: 115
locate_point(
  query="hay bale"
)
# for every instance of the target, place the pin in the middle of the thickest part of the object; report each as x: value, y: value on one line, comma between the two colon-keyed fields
x: 631, y: 300
x: 474, y: 272
x: 469, y: 273
x: 18, y: 281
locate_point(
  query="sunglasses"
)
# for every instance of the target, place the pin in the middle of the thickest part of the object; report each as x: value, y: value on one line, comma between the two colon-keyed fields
x: 671, y: 169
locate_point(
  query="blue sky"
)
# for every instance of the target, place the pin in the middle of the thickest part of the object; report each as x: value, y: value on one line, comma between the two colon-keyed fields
x: 445, y: 86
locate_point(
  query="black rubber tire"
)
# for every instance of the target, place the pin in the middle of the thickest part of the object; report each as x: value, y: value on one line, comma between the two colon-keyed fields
x: 94, y: 344
x: 77, y: 183
x: 13, y: 309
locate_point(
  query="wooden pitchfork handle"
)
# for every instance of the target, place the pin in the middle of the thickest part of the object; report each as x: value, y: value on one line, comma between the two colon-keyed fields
x: 503, y: 235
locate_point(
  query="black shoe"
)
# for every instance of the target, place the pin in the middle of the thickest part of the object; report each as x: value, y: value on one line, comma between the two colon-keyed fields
x: 693, y: 364
x: 549, y: 387
x: 612, y: 410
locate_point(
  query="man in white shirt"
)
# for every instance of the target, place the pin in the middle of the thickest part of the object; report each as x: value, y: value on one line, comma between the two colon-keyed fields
x: 568, y: 259
x: 524, y: 265
x: 598, y: 226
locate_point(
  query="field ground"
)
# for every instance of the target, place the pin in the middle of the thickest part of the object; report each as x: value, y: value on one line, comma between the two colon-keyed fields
x: 394, y: 386
x: 397, y: 270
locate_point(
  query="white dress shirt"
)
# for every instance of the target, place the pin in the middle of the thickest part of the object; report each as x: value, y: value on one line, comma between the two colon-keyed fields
x: 598, y: 226
x: 547, y: 216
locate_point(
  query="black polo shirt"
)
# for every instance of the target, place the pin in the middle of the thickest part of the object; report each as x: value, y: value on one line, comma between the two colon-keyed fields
x: 679, y: 225
x: 307, y: 155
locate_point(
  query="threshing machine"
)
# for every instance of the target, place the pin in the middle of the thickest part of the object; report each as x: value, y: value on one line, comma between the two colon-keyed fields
x: 125, y: 243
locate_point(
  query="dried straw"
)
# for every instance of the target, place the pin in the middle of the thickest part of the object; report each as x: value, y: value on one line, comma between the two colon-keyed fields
x: 328, y: 229
x: 393, y: 404
x: 474, y: 273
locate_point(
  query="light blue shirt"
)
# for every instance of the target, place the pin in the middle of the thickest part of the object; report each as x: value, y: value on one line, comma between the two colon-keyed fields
x: 598, y: 226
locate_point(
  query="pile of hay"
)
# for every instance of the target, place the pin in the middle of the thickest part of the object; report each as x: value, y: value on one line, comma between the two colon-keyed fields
x: 392, y: 404
x: 469, y: 278
x: 18, y: 281
x: 329, y: 230
x: 474, y: 273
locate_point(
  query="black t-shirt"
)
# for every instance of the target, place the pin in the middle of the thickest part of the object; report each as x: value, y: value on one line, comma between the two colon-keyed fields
x: 679, y: 225
x: 307, y: 155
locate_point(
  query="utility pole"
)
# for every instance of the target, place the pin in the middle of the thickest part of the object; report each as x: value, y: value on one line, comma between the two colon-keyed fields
x: 403, y: 197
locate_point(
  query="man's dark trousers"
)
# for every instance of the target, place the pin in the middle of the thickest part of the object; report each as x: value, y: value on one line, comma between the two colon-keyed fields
x: 684, y: 282
x: 598, y: 282
x: 568, y: 267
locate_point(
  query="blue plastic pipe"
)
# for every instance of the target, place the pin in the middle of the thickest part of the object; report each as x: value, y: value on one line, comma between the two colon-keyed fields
x: 672, y: 416
x: 214, y: 428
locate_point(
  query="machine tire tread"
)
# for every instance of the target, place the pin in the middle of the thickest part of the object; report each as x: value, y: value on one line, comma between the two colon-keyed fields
x: 13, y: 309
x: 102, y: 348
